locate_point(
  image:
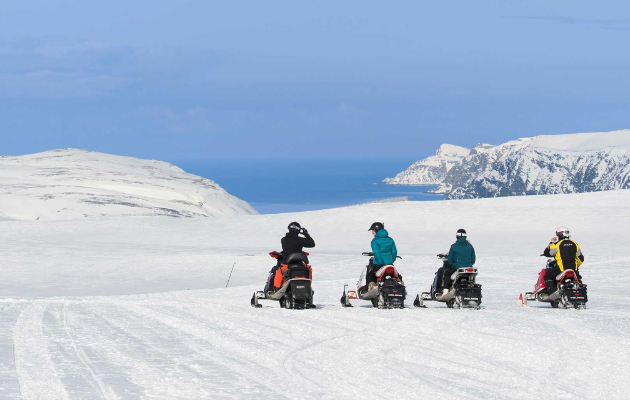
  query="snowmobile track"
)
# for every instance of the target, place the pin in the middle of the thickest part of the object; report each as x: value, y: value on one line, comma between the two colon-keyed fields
x: 36, y: 373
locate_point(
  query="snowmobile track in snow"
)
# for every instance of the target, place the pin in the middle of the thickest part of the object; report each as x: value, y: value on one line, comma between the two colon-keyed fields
x: 36, y: 373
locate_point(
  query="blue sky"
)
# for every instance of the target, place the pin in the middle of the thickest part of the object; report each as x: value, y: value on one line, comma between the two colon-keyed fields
x: 194, y: 80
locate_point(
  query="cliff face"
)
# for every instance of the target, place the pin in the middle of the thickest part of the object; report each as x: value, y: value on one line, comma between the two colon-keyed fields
x: 431, y: 170
x: 575, y: 163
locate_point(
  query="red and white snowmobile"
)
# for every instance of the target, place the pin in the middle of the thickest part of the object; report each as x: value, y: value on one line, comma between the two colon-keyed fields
x: 464, y: 291
x: 568, y: 293
x: 389, y: 291
x: 295, y: 290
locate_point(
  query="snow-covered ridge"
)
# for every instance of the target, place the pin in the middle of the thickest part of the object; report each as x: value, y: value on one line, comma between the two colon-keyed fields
x: 548, y: 164
x: 431, y: 170
x: 72, y: 183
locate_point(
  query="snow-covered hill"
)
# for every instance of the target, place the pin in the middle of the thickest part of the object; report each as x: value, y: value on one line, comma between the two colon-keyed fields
x: 136, y: 308
x: 432, y: 170
x: 71, y: 183
x: 575, y: 163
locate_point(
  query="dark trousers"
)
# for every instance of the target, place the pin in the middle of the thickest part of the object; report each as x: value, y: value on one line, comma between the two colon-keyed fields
x: 447, y: 271
x: 370, y: 275
x: 550, y: 277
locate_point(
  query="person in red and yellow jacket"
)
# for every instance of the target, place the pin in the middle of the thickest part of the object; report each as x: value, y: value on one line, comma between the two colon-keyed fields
x: 566, y: 254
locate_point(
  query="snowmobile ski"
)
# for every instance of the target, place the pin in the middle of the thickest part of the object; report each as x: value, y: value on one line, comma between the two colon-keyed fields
x: 419, y: 302
x: 255, y: 297
x: 347, y: 295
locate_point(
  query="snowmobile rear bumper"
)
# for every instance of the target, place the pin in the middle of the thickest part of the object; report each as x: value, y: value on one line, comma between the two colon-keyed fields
x: 465, y: 296
x: 294, y: 294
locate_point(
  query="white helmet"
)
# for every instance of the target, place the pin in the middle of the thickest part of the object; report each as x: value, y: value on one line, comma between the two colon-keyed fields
x: 563, y: 233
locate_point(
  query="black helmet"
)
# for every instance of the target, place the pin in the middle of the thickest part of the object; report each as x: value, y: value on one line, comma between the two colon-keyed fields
x: 461, y: 233
x: 377, y: 226
x: 294, y: 226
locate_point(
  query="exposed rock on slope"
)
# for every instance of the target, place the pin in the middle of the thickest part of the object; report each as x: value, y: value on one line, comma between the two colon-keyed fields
x: 576, y: 163
x: 431, y: 170
x: 583, y: 162
x: 71, y: 183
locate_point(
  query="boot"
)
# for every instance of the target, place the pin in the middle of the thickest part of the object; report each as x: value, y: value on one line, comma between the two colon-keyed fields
x: 551, y: 287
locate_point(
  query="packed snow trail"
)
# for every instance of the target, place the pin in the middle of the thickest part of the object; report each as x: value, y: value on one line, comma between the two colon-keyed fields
x: 37, y: 374
x: 108, y: 314
x: 201, y: 344
x: 9, y: 383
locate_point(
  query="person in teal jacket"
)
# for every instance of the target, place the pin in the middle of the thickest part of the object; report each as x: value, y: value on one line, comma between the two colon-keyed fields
x: 461, y: 255
x: 384, y: 249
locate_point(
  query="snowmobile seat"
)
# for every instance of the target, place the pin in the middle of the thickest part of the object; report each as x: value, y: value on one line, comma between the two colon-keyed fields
x: 296, y: 258
x: 569, y: 273
x: 385, y: 271
x: 297, y: 271
x: 464, y: 271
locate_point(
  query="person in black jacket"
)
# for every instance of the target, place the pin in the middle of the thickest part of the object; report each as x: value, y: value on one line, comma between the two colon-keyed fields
x: 292, y: 242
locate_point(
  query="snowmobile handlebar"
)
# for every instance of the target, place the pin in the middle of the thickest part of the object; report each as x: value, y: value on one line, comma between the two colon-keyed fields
x: 370, y: 254
x: 277, y: 255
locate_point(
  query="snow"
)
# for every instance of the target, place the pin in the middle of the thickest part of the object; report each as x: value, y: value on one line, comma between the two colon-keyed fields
x: 431, y: 170
x: 129, y: 308
x: 574, y: 163
x: 573, y: 142
x: 548, y: 164
x: 452, y: 150
x: 71, y: 184
x: 584, y: 141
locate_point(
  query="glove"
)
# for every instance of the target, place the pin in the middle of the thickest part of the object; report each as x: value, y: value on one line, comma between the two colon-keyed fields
x: 304, y: 232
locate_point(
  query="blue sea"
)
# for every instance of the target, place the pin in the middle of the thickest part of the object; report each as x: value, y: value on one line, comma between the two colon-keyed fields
x: 290, y: 185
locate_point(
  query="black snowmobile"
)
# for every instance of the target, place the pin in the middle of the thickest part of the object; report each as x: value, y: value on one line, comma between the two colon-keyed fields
x: 389, y: 291
x: 568, y: 291
x: 295, y: 291
x: 463, y: 293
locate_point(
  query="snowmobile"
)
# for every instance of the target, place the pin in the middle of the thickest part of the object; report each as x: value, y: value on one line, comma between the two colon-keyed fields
x: 569, y: 291
x: 295, y: 292
x: 463, y: 293
x: 389, y: 291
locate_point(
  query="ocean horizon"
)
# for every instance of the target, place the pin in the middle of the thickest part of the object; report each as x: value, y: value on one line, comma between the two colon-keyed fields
x: 274, y: 186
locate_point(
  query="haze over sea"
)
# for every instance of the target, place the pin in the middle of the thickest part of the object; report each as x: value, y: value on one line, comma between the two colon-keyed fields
x: 290, y: 185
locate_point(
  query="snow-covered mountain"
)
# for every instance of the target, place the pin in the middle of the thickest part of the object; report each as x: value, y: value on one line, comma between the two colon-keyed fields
x: 71, y: 183
x: 574, y: 163
x: 432, y: 170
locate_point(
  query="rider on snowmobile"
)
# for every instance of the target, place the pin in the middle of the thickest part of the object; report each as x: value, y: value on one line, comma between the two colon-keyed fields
x: 384, y: 250
x: 291, y: 243
x: 566, y: 254
x: 460, y: 255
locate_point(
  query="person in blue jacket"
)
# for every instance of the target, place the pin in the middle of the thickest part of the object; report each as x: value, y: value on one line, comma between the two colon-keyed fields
x: 384, y: 250
x: 460, y: 255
